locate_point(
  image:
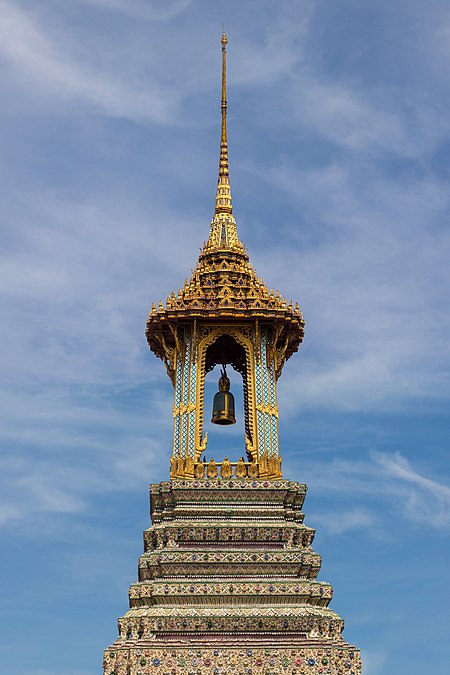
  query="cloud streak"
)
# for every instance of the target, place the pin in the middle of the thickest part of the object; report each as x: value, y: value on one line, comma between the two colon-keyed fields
x: 48, y: 67
x: 377, y: 274
x: 61, y: 456
x: 427, y: 501
x: 336, y: 522
x: 142, y: 9
x: 382, y: 476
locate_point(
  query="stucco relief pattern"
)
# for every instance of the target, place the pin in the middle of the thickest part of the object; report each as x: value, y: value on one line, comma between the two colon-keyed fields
x: 228, y: 584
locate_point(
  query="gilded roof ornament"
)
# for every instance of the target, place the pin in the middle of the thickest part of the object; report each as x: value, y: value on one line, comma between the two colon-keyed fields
x: 223, y: 284
x: 223, y: 195
x: 223, y: 233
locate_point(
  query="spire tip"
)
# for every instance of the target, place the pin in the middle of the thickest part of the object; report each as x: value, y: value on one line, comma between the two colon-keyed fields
x: 223, y: 195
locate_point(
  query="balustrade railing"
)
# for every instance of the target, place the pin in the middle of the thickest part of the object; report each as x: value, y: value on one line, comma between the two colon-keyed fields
x: 224, y: 469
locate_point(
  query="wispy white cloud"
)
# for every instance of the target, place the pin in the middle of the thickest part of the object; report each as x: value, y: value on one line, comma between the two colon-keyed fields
x: 43, y: 487
x: 269, y: 54
x: 60, y: 453
x: 348, y: 118
x: 52, y: 331
x: 124, y: 80
x: 8, y: 513
x: 48, y: 66
x: 142, y: 9
x: 387, y: 476
x: 338, y: 521
x: 426, y: 500
x: 374, y: 269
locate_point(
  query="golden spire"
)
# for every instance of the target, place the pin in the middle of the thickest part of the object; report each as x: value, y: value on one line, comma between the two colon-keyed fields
x: 223, y: 196
x: 223, y: 234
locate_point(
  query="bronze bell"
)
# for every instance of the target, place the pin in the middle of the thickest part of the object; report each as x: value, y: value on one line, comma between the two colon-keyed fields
x: 223, y: 405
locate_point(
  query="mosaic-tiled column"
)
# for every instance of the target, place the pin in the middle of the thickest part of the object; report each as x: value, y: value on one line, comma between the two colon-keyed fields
x: 185, y: 406
x: 266, y: 406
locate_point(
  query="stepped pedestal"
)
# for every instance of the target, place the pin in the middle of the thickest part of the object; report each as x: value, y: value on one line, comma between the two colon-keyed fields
x: 228, y: 584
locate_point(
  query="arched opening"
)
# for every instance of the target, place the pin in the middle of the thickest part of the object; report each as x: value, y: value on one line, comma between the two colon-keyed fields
x: 226, y: 440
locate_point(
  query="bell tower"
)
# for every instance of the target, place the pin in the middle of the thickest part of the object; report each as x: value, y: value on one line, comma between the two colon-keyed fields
x: 225, y: 314
x: 228, y: 578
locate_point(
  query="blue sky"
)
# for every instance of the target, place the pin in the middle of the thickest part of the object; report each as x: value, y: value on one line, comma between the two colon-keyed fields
x: 339, y: 151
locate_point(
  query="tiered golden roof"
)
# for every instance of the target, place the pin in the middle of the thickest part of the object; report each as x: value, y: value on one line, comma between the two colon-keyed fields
x: 224, y: 286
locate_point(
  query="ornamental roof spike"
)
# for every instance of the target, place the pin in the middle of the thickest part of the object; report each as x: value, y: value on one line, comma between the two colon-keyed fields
x: 223, y: 234
x: 223, y: 195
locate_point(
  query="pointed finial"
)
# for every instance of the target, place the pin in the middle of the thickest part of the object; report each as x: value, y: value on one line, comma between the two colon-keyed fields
x: 223, y: 196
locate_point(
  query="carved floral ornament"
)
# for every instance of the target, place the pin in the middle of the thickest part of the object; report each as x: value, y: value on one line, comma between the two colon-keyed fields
x: 182, y: 409
x: 164, y: 340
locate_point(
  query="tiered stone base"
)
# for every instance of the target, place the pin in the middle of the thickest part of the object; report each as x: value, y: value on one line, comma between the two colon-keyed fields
x: 221, y: 659
x: 227, y: 584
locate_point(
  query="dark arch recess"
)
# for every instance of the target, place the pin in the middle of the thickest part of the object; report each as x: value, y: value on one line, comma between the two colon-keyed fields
x: 227, y: 350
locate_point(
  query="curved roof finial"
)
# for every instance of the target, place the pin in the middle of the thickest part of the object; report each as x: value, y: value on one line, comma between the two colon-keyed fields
x: 223, y: 196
